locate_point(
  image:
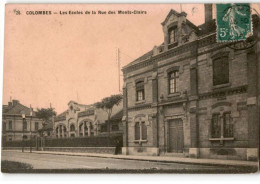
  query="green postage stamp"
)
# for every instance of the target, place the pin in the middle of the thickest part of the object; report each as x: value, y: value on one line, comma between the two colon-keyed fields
x: 233, y: 22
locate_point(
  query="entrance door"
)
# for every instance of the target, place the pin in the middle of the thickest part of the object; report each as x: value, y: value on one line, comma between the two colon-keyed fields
x: 175, y: 136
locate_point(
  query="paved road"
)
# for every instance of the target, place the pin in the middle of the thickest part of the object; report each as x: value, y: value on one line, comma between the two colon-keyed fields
x: 49, y: 161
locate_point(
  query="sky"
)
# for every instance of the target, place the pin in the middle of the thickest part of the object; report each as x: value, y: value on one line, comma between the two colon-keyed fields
x: 57, y: 58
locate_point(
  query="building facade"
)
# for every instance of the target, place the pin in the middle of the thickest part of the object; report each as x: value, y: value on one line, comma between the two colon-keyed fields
x: 192, y: 96
x: 85, y: 120
x: 19, y: 122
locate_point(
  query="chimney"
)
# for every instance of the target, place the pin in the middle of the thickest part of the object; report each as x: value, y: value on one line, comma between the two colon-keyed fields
x: 208, y: 12
x: 9, y: 104
x: 15, y: 102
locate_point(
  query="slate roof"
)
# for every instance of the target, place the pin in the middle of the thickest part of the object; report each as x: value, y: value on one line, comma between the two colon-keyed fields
x: 117, y: 116
x: 189, y: 23
x: 140, y: 59
x: 17, y: 109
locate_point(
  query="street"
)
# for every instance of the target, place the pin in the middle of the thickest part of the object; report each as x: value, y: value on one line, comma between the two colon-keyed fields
x: 50, y: 162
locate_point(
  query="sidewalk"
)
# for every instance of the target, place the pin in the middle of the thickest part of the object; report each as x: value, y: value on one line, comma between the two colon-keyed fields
x: 200, y: 161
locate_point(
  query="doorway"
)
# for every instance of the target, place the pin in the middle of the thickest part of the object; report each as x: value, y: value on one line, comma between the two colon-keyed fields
x: 175, y: 138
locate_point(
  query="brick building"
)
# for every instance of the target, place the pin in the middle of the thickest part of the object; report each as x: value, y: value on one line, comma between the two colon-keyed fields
x: 81, y: 120
x: 19, y: 122
x: 191, y: 96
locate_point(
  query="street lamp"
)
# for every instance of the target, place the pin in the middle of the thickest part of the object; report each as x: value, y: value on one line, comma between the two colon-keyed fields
x: 23, y: 117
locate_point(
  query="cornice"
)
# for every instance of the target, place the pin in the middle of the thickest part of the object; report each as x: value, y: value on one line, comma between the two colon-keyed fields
x: 223, y: 92
x: 139, y: 107
x: 86, y: 113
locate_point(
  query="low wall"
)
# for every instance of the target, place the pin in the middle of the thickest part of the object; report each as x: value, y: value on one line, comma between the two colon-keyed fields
x: 18, y: 148
x: 103, y: 150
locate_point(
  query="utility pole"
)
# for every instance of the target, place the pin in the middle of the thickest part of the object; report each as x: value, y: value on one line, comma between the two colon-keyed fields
x: 31, y: 114
x: 118, y: 64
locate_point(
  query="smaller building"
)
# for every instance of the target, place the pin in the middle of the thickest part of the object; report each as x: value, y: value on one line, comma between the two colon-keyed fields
x: 81, y: 120
x: 19, y: 122
x: 114, y: 125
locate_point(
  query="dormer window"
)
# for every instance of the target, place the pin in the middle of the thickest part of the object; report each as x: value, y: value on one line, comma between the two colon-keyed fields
x: 172, y: 35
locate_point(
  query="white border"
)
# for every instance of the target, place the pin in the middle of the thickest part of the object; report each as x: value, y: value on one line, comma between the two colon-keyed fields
x: 114, y: 178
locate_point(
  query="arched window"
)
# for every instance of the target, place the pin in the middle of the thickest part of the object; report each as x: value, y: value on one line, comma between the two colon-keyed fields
x: 72, y: 127
x: 140, y: 131
x: 137, y: 131
x: 221, y: 120
x: 172, y: 35
x: 144, y: 131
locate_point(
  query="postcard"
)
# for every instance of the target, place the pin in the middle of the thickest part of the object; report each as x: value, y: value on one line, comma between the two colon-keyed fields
x: 131, y: 88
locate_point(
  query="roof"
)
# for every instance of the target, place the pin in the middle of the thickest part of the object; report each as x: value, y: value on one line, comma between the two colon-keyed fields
x: 141, y: 58
x: 175, y: 13
x: 62, y: 114
x: 17, y: 109
x: 118, y: 115
x: 207, y: 27
x: 149, y: 54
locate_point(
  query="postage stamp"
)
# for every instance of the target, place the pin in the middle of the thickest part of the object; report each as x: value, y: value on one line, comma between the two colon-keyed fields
x: 233, y: 22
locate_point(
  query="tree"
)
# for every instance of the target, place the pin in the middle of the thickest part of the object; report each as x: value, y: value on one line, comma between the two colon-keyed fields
x: 107, y: 105
x: 45, y: 114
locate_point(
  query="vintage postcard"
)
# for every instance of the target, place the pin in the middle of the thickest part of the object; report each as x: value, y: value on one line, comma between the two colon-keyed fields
x: 131, y: 88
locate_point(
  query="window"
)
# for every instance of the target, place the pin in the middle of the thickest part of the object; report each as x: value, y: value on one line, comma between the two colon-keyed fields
x: 216, y: 126
x: 172, y: 35
x: 72, y: 128
x: 115, y: 127
x: 144, y: 131
x: 104, y: 128
x: 220, y: 70
x: 140, y: 91
x: 137, y: 131
x: 140, y: 131
x: 10, y: 127
x: 228, y: 126
x: 173, y: 82
x: 36, y: 125
x: 4, y: 125
x: 224, y: 121
x: 24, y: 124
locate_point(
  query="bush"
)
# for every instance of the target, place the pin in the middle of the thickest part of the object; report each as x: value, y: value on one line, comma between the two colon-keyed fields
x: 95, y: 141
x: 114, y: 140
x: 11, y: 166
